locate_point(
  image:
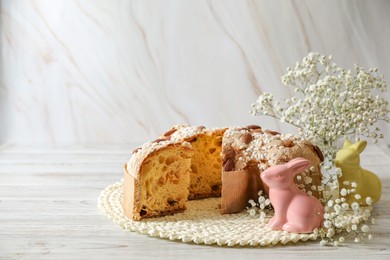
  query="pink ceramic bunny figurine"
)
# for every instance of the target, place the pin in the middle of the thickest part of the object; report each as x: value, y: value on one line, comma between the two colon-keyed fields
x: 295, y: 211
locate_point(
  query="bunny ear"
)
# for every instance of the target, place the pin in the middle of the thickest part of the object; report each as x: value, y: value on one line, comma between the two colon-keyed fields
x: 298, y: 165
x: 347, y: 143
x: 360, y: 146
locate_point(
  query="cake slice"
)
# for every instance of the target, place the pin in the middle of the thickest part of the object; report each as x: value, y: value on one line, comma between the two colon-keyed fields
x: 183, y: 163
x: 156, y: 182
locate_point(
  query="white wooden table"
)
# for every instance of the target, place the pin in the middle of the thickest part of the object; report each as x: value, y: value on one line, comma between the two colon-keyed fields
x: 48, y: 210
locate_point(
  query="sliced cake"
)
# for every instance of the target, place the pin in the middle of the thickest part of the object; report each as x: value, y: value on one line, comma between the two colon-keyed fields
x: 184, y: 163
x: 190, y: 162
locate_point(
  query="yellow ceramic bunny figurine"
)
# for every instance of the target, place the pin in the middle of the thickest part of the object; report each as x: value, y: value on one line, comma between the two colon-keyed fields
x: 368, y: 184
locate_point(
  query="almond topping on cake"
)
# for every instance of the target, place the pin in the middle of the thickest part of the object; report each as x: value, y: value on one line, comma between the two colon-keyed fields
x: 247, y: 138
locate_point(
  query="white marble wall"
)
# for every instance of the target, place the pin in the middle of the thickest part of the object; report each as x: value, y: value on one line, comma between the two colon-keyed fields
x: 103, y: 71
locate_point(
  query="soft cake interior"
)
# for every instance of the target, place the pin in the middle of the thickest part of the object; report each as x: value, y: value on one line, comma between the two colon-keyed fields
x: 165, y: 177
x: 206, y: 166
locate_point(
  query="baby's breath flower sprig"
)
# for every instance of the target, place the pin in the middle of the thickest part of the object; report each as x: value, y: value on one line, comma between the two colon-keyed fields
x: 330, y: 102
x: 330, y: 183
x: 340, y: 216
x: 262, y: 206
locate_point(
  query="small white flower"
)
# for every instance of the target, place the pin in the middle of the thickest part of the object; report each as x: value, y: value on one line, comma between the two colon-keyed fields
x: 341, y: 239
x: 353, y: 184
x: 357, y: 240
x: 355, y: 221
x: 354, y: 227
x: 358, y: 197
x: 365, y: 228
x: 367, y: 213
x: 261, y: 199
x: 343, y: 192
x: 330, y: 233
x: 369, y: 201
x: 252, y: 202
x: 370, y: 237
x: 345, y: 206
x: 355, y: 206
x: 327, y: 223
x: 330, y: 203
x: 323, y: 242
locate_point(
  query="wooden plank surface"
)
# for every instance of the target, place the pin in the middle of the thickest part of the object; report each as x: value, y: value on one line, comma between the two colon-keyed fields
x: 48, y: 210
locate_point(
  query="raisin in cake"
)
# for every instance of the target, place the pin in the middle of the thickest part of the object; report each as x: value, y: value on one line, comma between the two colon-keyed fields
x: 184, y: 163
x: 247, y: 151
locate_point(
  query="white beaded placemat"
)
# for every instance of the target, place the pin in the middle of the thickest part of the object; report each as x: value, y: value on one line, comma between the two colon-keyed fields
x: 201, y: 223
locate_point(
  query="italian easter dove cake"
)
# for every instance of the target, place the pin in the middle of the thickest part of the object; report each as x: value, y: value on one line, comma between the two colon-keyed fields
x: 189, y: 163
